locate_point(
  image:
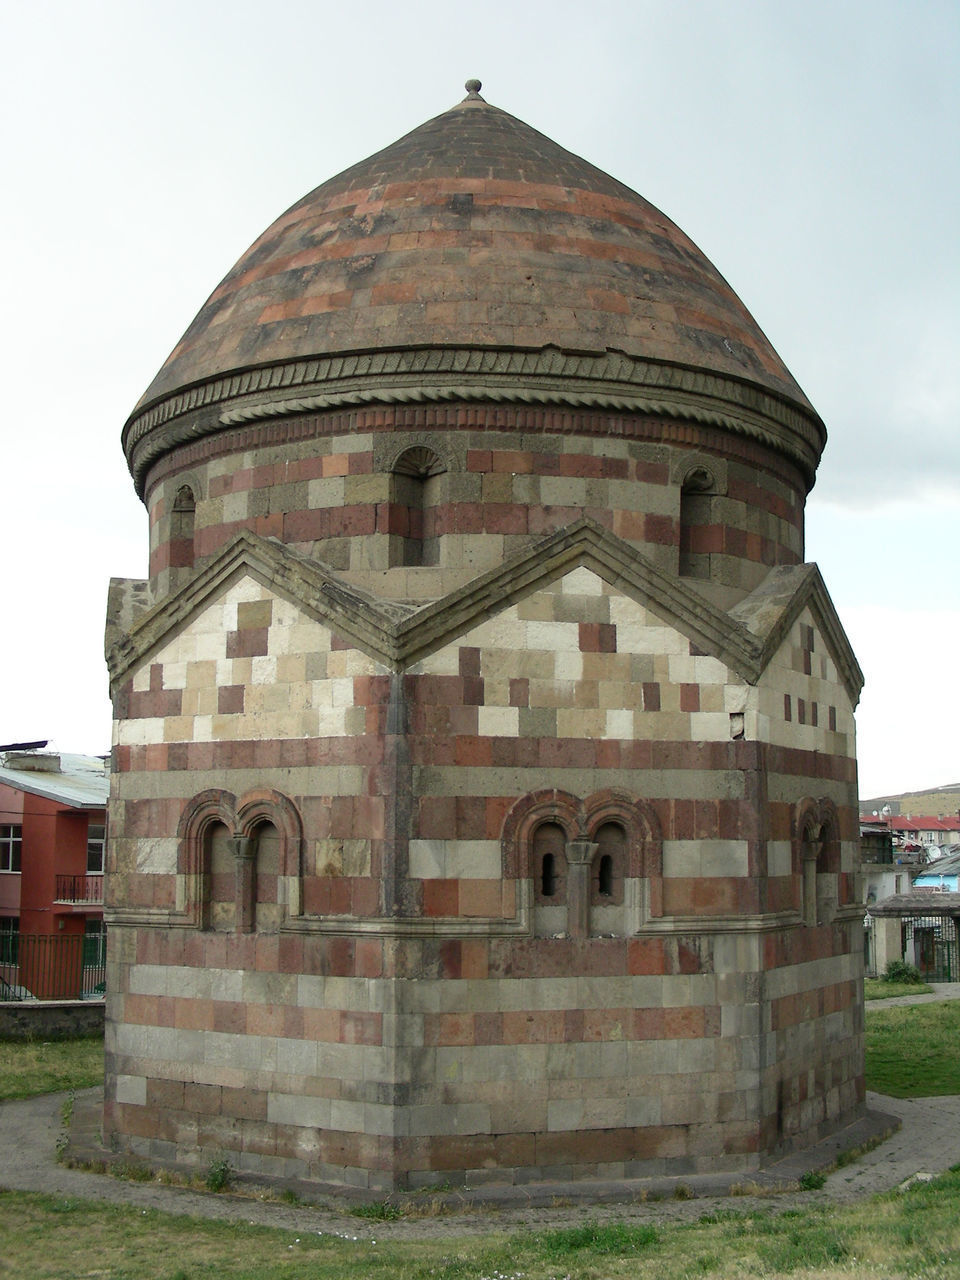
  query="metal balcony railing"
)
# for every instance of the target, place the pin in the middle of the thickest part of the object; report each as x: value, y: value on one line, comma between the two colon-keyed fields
x: 76, y: 889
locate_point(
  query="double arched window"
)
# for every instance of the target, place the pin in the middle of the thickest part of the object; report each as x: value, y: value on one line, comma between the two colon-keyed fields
x: 816, y: 842
x: 594, y: 866
x: 239, y: 868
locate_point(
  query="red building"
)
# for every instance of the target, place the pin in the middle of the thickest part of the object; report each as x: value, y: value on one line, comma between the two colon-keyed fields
x: 52, y: 837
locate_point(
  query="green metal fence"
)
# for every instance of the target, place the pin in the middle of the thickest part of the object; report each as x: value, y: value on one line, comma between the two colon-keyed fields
x: 55, y: 966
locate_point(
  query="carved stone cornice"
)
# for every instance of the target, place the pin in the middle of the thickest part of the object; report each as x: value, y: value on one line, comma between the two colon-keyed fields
x: 609, y: 380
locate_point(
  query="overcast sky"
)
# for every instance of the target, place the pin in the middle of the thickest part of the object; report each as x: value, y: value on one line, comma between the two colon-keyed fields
x: 810, y: 149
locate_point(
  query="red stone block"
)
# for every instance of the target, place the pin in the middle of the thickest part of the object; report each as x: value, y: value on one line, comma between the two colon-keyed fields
x: 247, y: 644
x: 688, y: 957
x: 450, y: 959
x: 369, y: 958
x: 683, y: 1024
x: 441, y: 897
x: 689, y: 697
x: 651, y: 696
x: 289, y: 954
x: 469, y: 660
x: 365, y: 896
x: 543, y: 1026
x: 202, y: 1099
x: 479, y: 898
x: 598, y: 637
x: 322, y: 1025
x: 361, y: 1028
x: 448, y: 1029
x: 292, y: 1023
x: 608, y: 754
x: 473, y: 752
x: 339, y: 957
x: 265, y: 1020
x: 194, y: 1015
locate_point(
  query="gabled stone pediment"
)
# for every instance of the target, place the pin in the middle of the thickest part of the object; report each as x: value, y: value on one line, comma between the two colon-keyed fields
x: 770, y: 611
x: 398, y: 633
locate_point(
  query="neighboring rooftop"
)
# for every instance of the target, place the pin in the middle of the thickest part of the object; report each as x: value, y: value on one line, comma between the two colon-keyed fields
x: 83, y: 782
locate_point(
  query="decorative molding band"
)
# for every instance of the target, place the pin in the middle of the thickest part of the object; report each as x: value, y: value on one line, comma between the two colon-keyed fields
x: 610, y: 380
x: 525, y: 419
x: 463, y: 927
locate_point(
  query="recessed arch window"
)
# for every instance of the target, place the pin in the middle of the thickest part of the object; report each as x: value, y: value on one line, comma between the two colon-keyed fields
x: 220, y: 879
x: 609, y: 863
x: 816, y: 836
x: 416, y: 490
x: 182, y: 520
x: 266, y: 912
x: 697, y: 522
x: 549, y: 862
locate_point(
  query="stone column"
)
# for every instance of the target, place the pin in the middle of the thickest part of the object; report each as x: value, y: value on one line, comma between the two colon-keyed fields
x: 245, y: 852
x: 579, y: 859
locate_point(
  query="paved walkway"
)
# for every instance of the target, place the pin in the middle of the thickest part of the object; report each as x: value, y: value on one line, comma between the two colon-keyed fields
x: 927, y: 1141
x: 941, y: 991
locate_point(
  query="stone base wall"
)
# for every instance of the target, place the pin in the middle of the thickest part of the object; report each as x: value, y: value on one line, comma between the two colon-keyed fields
x: 51, y: 1019
x: 554, y: 1059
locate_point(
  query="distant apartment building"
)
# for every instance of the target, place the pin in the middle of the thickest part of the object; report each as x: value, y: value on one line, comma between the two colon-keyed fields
x: 52, y: 837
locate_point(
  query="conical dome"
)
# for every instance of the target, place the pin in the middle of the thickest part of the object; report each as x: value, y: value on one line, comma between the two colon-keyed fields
x: 473, y: 259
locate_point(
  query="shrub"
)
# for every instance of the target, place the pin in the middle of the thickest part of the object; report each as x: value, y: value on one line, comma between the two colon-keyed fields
x: 218, y: 1175
x: 900, y: 971
x: 378, y: 1210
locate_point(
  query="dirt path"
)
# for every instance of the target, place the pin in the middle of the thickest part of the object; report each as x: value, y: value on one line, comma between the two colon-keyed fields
x: 928, y: 1141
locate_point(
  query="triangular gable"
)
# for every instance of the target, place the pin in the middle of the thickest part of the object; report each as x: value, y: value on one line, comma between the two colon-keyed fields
x: 398, y: 635
x: 771, y: 610
x: 354, y: 615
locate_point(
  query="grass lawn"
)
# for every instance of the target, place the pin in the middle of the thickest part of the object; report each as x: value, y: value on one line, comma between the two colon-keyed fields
x: 880, y: 989
x: 912, y: 1050
x: 32, y: 1067
x: 897, y: 1235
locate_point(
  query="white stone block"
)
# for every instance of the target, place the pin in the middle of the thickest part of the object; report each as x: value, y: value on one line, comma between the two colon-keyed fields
x: 263, y: 669
x: 619, y: 724
x: 141, y: 679
x: 565, y: 1114
x: 132, y: 1089
x: 503, y: 722
x: 157, y: 856
x: 553, y: 636
x: 175, y: 675
x: 140, y: 733
x: 298, y: 1110
x: 582, y: 582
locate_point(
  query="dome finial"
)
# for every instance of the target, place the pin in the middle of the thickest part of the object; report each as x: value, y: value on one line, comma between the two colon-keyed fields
x: 473, y: 88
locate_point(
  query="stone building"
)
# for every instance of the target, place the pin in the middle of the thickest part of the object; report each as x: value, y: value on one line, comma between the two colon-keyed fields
x: 484, y: 794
